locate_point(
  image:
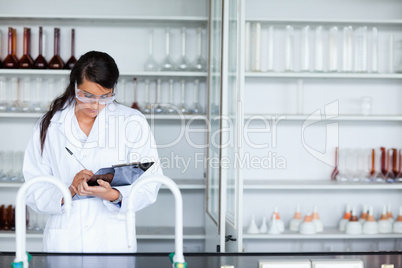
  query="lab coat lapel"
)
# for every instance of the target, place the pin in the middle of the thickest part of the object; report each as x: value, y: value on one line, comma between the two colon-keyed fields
x: 97, y: 136
x: 67, y: 128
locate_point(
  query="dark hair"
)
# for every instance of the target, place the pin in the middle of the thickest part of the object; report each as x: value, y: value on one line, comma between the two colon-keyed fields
x: 95, y: 66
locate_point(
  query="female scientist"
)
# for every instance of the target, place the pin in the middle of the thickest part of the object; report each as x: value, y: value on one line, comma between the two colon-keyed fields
x: 99, y: 133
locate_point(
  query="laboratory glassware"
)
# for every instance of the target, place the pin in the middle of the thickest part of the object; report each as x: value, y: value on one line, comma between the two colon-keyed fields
x: 256, y: 40
x: 151, y: 64
x: 305, y: 49
x: 36, y: 105
x: 167, y: 63
x: 333, y: 49
x: 199, y: 64
x: 319, y: 49
x: 11, y: 61
x: 40, y: 61
x: 56, y: 62
x: 147, y: 106
x: 270, y: 49
x: 158, y: 109
x: 289, y: 49
x: 72, y: 60
x: 25, y: 95
x: 182, y: 64
x: 170, y: 109
x: 389, y: 175
x: 182, y: 106
x: 3, y: 94
x: 26, y: 61
x: 335, y: 172
x: 347, y: 58
x: 374, y: 50
x: 135, y: 103
x: 13, y: 92
x: 196, y: 107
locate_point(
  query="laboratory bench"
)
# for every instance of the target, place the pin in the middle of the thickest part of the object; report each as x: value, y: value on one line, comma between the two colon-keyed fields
x: 198, y: 260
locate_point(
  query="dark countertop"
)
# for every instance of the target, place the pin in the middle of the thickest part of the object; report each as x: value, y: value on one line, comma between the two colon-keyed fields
x: 194, y: 260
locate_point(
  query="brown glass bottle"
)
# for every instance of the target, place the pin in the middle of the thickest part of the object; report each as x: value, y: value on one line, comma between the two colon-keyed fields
x: 335, y: 172
x: 56, y: 62
x: 72, y: 60
x: 26, y: 61
x: 11, y: 61
x: 6, y: 218
x: 1, y: 217
x: 40, y: 61
x: 135, y: 104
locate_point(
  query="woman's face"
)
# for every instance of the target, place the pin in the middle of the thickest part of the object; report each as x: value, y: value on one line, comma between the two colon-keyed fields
x: 91, y: 98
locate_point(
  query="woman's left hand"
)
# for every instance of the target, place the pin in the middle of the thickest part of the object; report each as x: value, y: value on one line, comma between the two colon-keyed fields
x: 103, y: 191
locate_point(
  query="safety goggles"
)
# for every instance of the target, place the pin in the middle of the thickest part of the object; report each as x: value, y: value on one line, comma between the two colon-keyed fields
x: 87, y: 97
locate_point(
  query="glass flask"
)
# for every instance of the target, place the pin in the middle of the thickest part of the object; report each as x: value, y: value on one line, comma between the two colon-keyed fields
x: 183, y: 64
x: 167, y: 63
x: 26, y: 61
x: 335, y: 172
x: 25, y: 95
x: 72, y: 60
x: 151, y: 65
x: 3, y: 94
x: 56, y: 62
x: 199, y: 64
x: 196, y: 107
x: 11, y: 61
x: 389, y: 175
x: 13, y: 96
x: 158, y: 109
x: 182, y: 106
x: 37, y: 105
x: 40, y: 61
x: 398, y: 177
x: 171, y: 108
x: 135, y: 103
x: 289, y: 49
x: 147, y: 106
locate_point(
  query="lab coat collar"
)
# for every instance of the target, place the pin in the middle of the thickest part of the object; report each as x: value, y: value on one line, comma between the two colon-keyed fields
x: 96, y: 136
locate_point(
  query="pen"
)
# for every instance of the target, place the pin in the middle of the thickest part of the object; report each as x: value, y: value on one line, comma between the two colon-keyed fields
x: 75, y: 157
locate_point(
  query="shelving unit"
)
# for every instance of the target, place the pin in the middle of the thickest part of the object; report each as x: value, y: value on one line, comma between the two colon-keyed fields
x: 278, y: 104
x: 122, y: 30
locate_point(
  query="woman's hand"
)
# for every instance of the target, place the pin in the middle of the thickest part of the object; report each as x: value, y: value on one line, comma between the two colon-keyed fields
x: 83, y: 175
x: 103, y: 191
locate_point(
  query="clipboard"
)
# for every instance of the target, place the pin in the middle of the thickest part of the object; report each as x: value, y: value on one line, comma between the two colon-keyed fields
x: 120, y: 175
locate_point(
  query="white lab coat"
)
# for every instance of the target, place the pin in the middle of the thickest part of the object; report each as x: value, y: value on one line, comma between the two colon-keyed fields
x: 119, y: 135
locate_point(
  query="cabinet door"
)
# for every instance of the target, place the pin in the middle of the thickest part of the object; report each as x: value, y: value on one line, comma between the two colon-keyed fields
x: 224, y: 187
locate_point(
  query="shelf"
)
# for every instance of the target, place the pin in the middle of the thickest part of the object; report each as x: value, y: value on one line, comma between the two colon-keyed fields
x: 147, y: 116
x: 183, y: 184
x: 292, y: 117
x: 48, y: 72
x: 149, y: 233
x: 328, y: 233
x: 316, y: 185
x: 323, y: 75
x: 326, y: 21
x: 103, y: 18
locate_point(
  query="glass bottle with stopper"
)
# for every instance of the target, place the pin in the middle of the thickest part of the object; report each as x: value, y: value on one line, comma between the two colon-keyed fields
x: 72, y: 60
x: 56, y: 62
x: 40, y: 61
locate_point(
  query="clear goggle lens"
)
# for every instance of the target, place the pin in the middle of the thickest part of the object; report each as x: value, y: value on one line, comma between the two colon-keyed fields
x: 86, y: 97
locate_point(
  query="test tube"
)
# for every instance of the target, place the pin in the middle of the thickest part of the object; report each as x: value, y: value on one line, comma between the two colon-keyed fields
x: 319, y: 49
x: 289, y: 49
x: 374, y: 50
x: 347, y: 49
x: 271, y: 48
x: 333, y: 49
x: 247, y: 47
x: 257, y: 48
x: 305, y: 49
